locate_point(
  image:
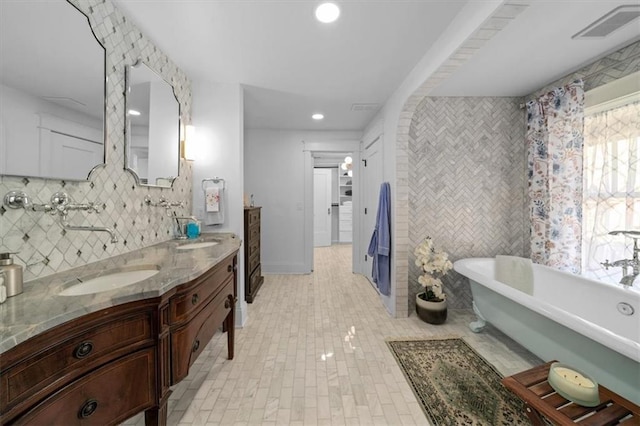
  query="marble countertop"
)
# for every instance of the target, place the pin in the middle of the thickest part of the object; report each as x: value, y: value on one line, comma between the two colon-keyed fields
x: 40, y: 307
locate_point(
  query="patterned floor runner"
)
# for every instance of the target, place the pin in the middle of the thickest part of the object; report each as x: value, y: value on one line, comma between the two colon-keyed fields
x: 455, y: 385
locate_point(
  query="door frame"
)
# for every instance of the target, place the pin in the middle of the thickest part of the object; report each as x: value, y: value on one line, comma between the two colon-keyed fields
x: 362, y: 266
x: 311, y: 148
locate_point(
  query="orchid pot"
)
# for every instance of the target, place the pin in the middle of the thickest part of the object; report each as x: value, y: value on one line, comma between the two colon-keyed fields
x: 431, y: 304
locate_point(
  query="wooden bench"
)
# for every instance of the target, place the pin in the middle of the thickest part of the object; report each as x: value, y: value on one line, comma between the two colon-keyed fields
x: 542, y: 401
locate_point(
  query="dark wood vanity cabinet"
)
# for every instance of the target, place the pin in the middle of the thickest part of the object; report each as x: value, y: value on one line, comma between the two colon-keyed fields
x: 253, y: 278
x: 197, y: 310
x: 112, y: 393
x: 78, y: 363
x: 107, y: 366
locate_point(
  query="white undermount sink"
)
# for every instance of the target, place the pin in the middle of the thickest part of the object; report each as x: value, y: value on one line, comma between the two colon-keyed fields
x: 192, y: 246
x: 111, y: 280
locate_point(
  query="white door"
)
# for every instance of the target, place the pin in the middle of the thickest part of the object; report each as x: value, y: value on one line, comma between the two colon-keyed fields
x: 321, y: 207
x: 371, y: 181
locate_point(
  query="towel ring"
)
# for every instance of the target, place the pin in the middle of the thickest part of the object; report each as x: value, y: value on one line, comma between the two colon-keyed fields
x: 214, y: 180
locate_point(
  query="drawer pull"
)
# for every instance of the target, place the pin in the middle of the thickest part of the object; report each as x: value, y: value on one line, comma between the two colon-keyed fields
x: 88, y: 409
x: 229, y: 268
x: 229, y: 302
x: 195, y: 298
x: 196, y: 345
x: 83, y: 349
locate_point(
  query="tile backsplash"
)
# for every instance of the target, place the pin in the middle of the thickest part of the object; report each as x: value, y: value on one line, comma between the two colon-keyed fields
x: 40, y: 243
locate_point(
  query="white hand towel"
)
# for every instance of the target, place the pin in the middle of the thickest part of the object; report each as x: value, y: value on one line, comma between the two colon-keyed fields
x: 516, y: 272
x: 212, y: 199
x: 214, y: 217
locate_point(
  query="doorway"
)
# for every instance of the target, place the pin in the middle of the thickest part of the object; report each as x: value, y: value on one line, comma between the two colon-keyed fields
x: 316, y: 155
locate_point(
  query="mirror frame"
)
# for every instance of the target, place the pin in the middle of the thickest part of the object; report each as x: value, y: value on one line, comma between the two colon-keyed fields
x: 127, y: 121
x: 105, y: 80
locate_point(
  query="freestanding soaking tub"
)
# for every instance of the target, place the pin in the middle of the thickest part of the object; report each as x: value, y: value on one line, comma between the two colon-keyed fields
x: 590, y: 325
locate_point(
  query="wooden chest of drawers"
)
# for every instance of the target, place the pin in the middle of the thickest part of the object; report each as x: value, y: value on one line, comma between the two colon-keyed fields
x: 253, y: 278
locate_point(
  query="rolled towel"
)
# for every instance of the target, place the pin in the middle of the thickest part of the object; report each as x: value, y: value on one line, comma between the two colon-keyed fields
x: 516, y: 272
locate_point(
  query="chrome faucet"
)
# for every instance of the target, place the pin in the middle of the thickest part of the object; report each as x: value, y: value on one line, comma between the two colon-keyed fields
x: 633, y: 263
x: 65, y: 225
x: 163, y: 202
x: 59, y: 205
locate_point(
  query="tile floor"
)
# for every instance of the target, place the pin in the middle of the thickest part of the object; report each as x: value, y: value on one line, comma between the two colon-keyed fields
x: 313, y: 352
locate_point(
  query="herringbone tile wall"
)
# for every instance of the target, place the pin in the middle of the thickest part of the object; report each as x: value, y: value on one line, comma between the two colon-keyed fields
x: 466, y: 183
x: 42, y: 246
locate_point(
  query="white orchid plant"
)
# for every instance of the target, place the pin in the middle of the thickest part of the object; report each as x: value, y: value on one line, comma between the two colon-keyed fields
x: 434, y: 263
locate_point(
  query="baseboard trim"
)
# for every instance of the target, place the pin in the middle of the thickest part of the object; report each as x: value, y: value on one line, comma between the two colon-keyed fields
x: 283, y: 268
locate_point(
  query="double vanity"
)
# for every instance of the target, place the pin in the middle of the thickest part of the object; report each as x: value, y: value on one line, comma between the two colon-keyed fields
x: 101, y: 343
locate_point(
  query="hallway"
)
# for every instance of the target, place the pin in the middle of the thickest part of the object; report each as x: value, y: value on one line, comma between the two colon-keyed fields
x: 313, y: 352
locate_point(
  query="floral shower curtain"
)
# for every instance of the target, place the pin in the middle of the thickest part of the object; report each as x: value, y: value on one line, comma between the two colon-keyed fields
x: 611, y: 188
x: 555, y: 142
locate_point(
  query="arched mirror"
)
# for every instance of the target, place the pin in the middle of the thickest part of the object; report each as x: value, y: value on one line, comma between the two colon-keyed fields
x: 52, y: 93
x: 152, y: 127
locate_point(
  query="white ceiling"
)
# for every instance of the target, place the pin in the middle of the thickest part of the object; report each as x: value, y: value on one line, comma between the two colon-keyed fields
x: 293, y: 66
x: 537, y: 49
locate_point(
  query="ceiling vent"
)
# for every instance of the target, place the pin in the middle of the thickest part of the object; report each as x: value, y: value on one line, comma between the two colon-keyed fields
x: 365, y: 107
x: 610, y: 22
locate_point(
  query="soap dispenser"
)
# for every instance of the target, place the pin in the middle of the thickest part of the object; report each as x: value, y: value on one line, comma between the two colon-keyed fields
x: 12, y: 274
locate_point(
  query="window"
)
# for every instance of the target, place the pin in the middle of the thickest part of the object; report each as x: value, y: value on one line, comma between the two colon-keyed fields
x: 611, y: 199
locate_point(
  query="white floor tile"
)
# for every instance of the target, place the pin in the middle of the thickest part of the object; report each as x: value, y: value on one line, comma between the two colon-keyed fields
x: 313, y: 352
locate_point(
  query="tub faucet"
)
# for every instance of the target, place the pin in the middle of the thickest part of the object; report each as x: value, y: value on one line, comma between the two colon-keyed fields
x: 633, y: 263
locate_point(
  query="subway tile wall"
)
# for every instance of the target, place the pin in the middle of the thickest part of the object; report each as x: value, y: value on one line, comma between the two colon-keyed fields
x: 40, y: 244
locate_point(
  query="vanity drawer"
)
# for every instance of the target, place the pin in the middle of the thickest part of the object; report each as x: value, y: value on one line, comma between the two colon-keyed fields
x: 98, y: 398
x: 191, y: 297
x: 188, y: 342
x: 56, y: 364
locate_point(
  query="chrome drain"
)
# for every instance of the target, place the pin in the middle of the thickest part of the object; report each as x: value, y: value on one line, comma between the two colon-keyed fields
x: 625, y: 309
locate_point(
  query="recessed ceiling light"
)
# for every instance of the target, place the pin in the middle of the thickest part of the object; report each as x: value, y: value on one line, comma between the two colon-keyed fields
x: 133, y: 112
x: 327, y: 12
x: 317, y: 116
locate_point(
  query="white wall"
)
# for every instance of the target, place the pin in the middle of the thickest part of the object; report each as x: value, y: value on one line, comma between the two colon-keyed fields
x: 275, y: 174
x: 217, y: 115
